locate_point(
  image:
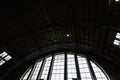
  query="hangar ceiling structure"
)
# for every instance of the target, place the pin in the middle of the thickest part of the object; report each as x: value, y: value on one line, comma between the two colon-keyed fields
x: 31, y: 30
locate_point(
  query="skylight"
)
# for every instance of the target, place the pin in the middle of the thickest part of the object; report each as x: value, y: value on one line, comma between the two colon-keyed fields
x: 4, y: 57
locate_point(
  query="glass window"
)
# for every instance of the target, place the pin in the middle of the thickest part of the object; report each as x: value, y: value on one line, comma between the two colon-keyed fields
x: 46, y: 68
x: 118, y: 35
x: 84, y: 70
x: 58, y: 68
x: 26, y: 75
x: 71, y: 68
x: 3, y: 54
x: 98, y: 72
x: 4, y: 57
x: 36, y: 70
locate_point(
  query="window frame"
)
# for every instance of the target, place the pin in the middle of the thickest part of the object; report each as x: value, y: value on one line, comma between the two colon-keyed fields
x: 88, y: 60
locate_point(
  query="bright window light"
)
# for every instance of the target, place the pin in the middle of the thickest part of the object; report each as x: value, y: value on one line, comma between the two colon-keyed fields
x: 2, y: 62
x: 46, y: 68
x: 60, y: 71
x: 7, y: 58
x: 36, y: 70
x: 3, y: 54
x: 25, y: 77
x: 71, y: 67
x: 116, y: 42
x: 58, y: 68
x: 4, y: 57
x: 84, y: 70
x: 98, y: 72
x: 118, y: 35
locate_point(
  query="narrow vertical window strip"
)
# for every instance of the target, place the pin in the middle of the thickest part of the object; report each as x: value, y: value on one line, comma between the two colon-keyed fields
x: 65, y: 66
x: 26, y: 75
x: 46, y: 68
x: 118, y: 35
x: 36, y: 70
x: 3, y: 54
x: 58, y: 68
x: 91, y: 69
x: 84, y: 70
x: 32, y: 71
x: 2, y: 62
x: 71, y: 67
x: 41, y: 69
x: 50, y: 69
x: 98, y: 72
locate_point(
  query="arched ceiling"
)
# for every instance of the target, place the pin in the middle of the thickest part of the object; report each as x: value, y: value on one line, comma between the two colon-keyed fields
x: 30, y: 29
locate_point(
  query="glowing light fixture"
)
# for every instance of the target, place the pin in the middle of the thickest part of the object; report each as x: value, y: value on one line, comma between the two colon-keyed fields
x: 117, y: 0
x: 67, y: 35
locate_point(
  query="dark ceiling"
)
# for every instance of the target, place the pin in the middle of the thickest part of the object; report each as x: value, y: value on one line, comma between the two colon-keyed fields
x: 27, y: 28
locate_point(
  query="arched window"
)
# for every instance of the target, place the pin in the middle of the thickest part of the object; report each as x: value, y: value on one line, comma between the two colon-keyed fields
x: 65, y: 66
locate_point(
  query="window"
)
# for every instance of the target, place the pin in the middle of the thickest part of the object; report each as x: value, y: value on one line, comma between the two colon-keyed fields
x: 117, y: 40
x: 98, y: 72
x: 71, y: 67
x: 36, y: 70
x: 58, y: 68
x: 46, y: 68
x: 84, y: 70
x: 4, y: 57
x: 26, y: 75
x: 54, y: 68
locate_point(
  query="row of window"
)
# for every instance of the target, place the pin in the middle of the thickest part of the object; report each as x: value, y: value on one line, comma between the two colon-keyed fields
x: 117, y: 40
x: 4, y: 57
x: 55, y: 68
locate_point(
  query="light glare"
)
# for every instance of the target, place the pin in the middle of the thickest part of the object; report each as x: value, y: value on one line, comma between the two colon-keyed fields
x: 117, y: 0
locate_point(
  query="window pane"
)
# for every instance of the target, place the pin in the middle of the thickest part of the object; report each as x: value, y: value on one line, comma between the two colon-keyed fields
x: 99, y: 74
x: 58, y: 68
x: 2, y: 62
x: 26, y: 75
x: 84, y: 70
x: 71, y: 67
x: 37, y: 68
x: 116, y: 42
x: 46, y: 68
x: 118, y: 35
x: 57, y: 72
x: 3, y: 54
x: 7, y: 57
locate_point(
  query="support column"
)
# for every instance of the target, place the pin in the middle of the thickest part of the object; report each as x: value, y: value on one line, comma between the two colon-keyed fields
x: 77, y: 67
x: 65, y: 67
